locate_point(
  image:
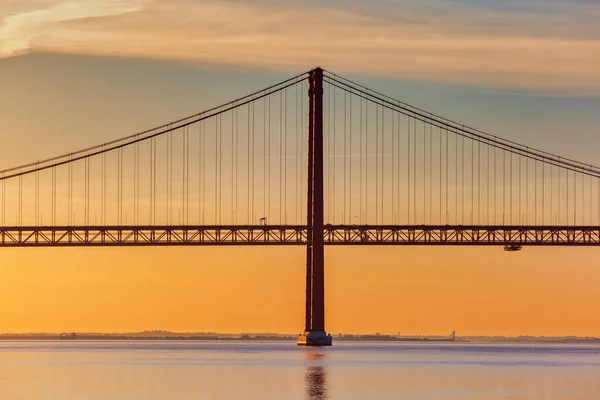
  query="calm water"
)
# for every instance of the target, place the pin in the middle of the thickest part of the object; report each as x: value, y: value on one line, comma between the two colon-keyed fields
x: 267, y: 370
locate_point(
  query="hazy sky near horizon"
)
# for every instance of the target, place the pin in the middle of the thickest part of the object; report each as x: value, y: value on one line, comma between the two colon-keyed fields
x: 75, y: 73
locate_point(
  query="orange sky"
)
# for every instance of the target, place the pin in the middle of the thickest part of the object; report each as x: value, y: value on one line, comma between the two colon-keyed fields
x: 101, y: 70
x: 407, y: 290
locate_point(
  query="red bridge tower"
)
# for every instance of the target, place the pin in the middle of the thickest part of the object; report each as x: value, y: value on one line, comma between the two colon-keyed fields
x: 315, y: 334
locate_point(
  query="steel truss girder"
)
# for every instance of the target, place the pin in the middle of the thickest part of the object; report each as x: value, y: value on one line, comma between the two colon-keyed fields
x: 463, y: 235
x: 66, y: 236
x: 292, y: 235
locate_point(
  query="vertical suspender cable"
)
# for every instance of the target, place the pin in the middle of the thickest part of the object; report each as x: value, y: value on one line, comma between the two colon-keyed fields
x: 440, y: 187
x: 574, y: 198
x: 543, y: 192
x: 567, y: 213
x: 360, y: 208
x: 393, y: 165
x: 399, y: 167
x: 168, y: 187
x: 366, y: 134
x: 536, y: 192
x: 253, y: 158
x: 136, y: 175
x: 582, y: 199
x: 430, y: 173
x: 216, y: 220
x: 183, y: 185
x: 327, y: 158
x: 511, y: 189
x: 4, y: 198
x: 200, y: 173
x: 296, y: 156
x: 20, y: 211
x: 408, y: 175
x: 488, y: 184
x: 121, y: 167
x: 280, y: 157
x: 424, y: 172
x: 264, y: 157
x: 462, y: 179
x: 350, y: 163
x: 299, y: 129
x: 203, y: 173
x: 137, y: 183
x: 232, y: 193
x: 151, y: 194
x: 153, y: 211
x: 456, y: 179
x: 37, y: 197
x: 504, y: 188
x: 520, y: 184
x: 478, y: 182
x: 53, y: 197
x: 495, y: 185
x: 447, y: 175
x: 220, y: 141
x: 376, y: 164
x: 103, y: 189
x: 329, y: 137
x: 472, y: 180
x: 382, y: 158
x: 526, y: 190
x: 187, y: 175
x: 591, y: 211
x: 237, y: 174
x: 334, y: 154
x: 269, y: 161
x: 303, y: 144
x: 345, y: 152
x: 70, y: 193
x: 87, y: 191
x: 415, y: 171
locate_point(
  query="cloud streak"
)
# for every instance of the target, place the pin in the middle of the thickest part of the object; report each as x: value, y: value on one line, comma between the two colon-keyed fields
x: 18, y: 31
x: 482, y: 47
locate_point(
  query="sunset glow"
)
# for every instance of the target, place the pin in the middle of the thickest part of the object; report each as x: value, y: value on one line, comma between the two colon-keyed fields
x: 79, y: 73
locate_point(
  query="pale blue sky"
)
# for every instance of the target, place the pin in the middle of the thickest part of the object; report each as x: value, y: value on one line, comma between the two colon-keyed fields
x: 77, y: 73
x: 58, y: 103
x: 543, y: 45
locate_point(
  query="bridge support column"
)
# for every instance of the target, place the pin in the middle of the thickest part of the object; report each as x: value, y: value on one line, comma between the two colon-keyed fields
x: 315, y: 334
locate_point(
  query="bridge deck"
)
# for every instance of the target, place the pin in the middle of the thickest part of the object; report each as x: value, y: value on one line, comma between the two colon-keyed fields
x: 295, y: 235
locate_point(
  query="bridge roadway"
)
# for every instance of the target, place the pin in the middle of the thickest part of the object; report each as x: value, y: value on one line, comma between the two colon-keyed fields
x: 289, y: 235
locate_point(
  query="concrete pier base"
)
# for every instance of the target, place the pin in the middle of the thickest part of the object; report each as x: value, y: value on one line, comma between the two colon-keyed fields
x: 314, y: 339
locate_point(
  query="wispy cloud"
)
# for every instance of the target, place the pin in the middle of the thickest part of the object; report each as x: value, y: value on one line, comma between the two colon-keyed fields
x: 532, y: 44
x: 18, y: 31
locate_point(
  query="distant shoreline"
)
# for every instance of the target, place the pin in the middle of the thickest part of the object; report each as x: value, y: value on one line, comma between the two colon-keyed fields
x: 213, y: 338
x: 169, y: 336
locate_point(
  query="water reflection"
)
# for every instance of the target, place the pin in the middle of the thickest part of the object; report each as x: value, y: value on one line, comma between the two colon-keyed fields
x: 315, y: 377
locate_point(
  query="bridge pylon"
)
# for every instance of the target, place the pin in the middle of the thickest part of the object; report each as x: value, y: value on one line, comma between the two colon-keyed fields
x: 315, y: 334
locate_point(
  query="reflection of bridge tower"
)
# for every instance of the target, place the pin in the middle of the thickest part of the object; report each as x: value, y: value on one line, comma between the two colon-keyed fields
x: 316, y: 377
x: 315, y: 281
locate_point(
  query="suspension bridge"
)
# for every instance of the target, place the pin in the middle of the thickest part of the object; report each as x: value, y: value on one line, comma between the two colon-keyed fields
x: 348, y: 166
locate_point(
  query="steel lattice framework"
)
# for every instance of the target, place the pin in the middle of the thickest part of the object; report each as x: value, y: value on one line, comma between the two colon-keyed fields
x: 294, y: 235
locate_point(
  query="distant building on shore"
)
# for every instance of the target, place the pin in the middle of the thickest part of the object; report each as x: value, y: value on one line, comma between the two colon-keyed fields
x: 68, y: 336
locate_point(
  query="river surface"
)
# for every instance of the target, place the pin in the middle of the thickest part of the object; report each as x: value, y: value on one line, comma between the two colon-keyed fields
x: 149, y: 370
